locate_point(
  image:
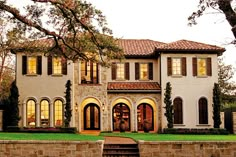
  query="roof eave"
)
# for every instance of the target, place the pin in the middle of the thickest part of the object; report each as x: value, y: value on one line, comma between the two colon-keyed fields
x: 132, y: 91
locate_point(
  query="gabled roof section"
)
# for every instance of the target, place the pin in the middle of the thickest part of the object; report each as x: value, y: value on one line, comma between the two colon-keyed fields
x: 187, y: 45
x: 138, y: 47
x: 133, y: 87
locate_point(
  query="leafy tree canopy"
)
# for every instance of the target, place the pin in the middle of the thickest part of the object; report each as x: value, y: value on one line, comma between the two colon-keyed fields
x: 76, y: 27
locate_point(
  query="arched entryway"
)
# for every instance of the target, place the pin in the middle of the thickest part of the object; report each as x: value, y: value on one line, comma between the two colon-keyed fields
x: 91, y: 117
x: 145, y: 113
x: 121, y: 111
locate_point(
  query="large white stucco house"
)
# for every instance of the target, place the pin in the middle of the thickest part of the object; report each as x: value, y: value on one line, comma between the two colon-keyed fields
x: 132, y: 90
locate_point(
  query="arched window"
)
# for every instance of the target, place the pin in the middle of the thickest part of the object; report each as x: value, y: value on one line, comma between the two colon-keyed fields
x: 58, y: 113
x: 203, y: 111
x: 91, y: 117
x: 145, y: 112
x: 44, y: 113
x: 121, y: 112
x: 178, y: 111
x: 30, y: 113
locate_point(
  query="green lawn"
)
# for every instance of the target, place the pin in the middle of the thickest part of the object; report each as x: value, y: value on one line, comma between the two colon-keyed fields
x: 135, y: 136
x: 172, y: 137
x: 49, y: 136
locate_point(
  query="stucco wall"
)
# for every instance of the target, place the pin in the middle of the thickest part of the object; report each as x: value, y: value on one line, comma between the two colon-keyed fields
x: 190, y: 89
x: 39, y: 87
x: 187, y: 149
x: 50, y: 149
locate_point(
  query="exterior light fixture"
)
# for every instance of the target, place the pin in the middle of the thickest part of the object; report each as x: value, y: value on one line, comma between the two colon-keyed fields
x: 103, y: 107
x: 76, y: 107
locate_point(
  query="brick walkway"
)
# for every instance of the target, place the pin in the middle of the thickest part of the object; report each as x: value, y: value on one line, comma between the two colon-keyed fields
x: 118, y: 140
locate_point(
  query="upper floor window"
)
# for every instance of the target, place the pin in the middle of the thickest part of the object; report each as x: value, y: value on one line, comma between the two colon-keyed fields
x: 89, y: 72
x: 120, y: 71
x: 143, y: 71
x: 57, y: 65
x: 176, y: 66
x: 202, y: 67
x: 32, y: 65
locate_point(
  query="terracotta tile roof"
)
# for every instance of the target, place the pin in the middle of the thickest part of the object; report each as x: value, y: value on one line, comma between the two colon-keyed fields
x: 143, y: 86
x: 138, y: 47
x: 183, y: 45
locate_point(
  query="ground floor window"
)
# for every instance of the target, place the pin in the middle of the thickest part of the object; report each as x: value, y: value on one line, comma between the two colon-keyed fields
x: 203, y: 111
x: 58, y: 113
x: 91, y: 117
x: 121, y: 112
x: 30, y: 113
x: 178, y: 111
x: 44, y: 113
x: 145, y: 113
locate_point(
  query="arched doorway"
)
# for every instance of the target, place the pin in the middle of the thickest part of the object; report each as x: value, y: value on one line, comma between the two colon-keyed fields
x: 121, y: 111
x: 92, y: 117
x: 145, y: 112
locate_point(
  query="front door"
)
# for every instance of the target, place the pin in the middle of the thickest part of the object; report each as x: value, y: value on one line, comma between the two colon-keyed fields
x: 91, y: 117
x: 144, y: 113
x: 121, y: 112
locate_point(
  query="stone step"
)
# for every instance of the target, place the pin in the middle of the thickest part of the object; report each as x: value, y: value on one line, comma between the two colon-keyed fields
x: 120, y: 150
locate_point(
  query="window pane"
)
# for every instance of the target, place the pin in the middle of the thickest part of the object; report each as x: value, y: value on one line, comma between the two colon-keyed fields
x: 44, y: 108
x: 120, y: 71
x: 203, y: 111
x: 57, y: 66
x: 201, y: 67
x: 30, y: 113
x: 31, y: 65
x: 58, y: 109
x: 176, y: 66
x: 89, y: 72
x: 178, y: 111
x: 144, y: 71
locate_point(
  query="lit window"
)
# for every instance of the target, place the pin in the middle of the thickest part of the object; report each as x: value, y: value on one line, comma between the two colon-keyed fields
x: 89, y: 72
x: 58, y: 113
x: 44, y: 107
x: 144, y: 71
x: 57, y: 66
x: 176, y: 66
x: 120, y: 71
x: 201, y: 67
x: 30, y: 107
x: 32, y: 64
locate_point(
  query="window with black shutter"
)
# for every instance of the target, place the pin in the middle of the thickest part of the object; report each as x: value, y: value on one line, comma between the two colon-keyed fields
x: 89, y: 72
x: 136, y: 71
x: 31, y: 65
x: 150, y: 71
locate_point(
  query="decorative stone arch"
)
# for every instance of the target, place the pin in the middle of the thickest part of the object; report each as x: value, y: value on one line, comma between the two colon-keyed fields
x: 124, y: 102
x: 58, y: 98
x: 151, y: 104
x: 96, y: 105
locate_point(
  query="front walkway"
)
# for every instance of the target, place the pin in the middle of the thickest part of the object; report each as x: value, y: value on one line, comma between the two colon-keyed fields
x: 118, y: 140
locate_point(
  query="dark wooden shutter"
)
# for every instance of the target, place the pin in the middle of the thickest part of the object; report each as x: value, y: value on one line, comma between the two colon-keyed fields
x: 136, y: 71
x: 150, y: 71
x: 209, y: 67
x: 184, y: 66
x: 113, y: 71
x: 49, y: 65
x: 64, y: 66
x: 24, y: 65
x: 127, y: 71
x: 169, y: 66
x: 39, y: 65
x: 194, y: 66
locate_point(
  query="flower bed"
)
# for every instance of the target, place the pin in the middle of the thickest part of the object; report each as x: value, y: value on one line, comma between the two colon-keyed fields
x: 211, y: 131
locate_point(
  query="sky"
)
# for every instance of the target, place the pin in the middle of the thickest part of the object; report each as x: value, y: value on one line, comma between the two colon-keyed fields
x: 164, y: 21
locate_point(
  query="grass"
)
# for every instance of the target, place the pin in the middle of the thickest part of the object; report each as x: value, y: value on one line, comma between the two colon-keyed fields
x: 172, y: 137
x: 135, y: 136
x: 49, y: 136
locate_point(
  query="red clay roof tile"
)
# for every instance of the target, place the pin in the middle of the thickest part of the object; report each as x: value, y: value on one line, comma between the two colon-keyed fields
x: 133, y: 86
